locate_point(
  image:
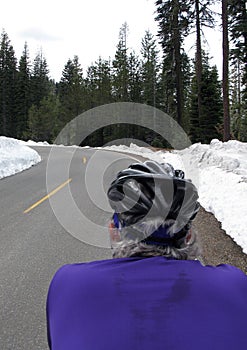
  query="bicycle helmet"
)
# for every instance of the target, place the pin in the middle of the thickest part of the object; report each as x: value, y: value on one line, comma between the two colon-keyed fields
x: 145, y: 192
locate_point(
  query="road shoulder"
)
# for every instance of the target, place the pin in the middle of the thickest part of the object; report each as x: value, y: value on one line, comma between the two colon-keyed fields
x: 217, y: 246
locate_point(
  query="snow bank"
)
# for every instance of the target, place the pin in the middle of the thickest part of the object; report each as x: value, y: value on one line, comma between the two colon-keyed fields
x: 223, y: 184
x: 15, y: 157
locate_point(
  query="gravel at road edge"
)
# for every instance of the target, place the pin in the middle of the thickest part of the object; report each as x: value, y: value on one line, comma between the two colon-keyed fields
x: 217, y: 246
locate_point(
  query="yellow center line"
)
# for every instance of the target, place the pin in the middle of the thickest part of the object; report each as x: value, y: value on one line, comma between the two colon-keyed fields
x: 47, y: 196
x: 84, y: 160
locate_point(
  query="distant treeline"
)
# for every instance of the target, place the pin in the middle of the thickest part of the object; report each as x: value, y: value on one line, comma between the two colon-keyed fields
x: 34, y: 106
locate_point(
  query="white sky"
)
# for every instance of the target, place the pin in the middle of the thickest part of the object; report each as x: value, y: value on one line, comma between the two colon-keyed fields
x: 85, y: 28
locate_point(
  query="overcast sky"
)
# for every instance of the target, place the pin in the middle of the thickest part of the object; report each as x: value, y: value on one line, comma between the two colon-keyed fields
x: 85, y: 28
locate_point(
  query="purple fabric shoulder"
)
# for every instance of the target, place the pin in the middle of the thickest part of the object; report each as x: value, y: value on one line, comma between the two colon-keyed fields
x: 147, y: 303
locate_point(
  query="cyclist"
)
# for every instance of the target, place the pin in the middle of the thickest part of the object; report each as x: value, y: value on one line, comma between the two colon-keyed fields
x: 154, y: 294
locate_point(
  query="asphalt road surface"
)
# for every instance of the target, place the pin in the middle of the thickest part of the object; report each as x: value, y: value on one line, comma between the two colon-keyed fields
x: 56, y: 213
x: 50, y: 215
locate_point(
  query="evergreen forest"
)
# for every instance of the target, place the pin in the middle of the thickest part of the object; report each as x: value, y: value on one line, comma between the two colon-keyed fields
x: 35, y: 106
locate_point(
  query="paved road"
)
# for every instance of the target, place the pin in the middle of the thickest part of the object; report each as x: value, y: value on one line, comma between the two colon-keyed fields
x: 34, y: 244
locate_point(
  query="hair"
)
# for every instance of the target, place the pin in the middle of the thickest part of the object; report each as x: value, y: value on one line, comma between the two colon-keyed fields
x: 184, y: 251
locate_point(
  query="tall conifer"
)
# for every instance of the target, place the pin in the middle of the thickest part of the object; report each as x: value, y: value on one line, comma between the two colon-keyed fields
x: 98, y: 84
x: 23, y: 92
x: 40, y: 83
x: 150, y: 70
x: 134, y: 78
x: 71, y: 90
x: 121, y: 68
x: 172, y: 16
x: 8, y: 72
x: 209, y: 126
x: 43, y: 124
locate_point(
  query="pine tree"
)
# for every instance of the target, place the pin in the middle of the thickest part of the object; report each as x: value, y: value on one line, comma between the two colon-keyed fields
x: 43, y: 124
x: 210, y: 124
x: 71, y: 91
x: 41, y: 86
x: 121, y: 81
x: 212, y: 117
x: 150, y: 70
x: 152, y: 91
x: 134, y: 78
x: 8, y: 73
x: 173, y: 26
x: 121, y: 68
x: 200, y: 15
x: 98, y: 84
x: 23, y: 91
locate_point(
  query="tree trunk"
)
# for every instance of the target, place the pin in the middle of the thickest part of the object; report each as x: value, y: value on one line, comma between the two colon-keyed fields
x: 177, y: 54
x: 226, y: 134
x: 198, y: 62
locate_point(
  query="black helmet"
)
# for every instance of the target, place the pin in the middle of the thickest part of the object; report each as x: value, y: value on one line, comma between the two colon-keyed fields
x: 149, y: 190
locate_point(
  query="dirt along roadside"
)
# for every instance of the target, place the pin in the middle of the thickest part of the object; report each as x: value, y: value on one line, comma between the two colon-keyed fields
x: 217, y: 246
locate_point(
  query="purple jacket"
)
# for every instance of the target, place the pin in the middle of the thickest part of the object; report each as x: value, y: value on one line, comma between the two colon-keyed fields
x: 147, y: 303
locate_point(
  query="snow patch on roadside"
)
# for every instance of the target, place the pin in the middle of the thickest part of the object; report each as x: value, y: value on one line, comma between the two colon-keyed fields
x: 15, y: 157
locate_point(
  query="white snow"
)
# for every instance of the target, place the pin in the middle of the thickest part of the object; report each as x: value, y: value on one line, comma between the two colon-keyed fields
x: 15, y: 157
x: 219, y: 170
x: 33, y: 143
